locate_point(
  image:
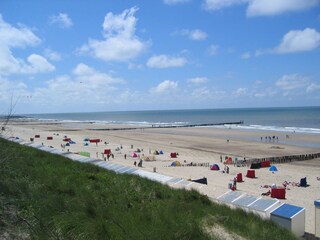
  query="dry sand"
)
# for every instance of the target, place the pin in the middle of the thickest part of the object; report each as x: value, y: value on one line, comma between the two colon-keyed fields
x: 197, y: 145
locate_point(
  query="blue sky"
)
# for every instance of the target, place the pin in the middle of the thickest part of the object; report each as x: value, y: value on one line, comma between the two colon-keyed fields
x: 86, y: 56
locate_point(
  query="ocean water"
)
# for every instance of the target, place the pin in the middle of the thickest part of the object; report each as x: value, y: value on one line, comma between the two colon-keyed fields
x: 293, y: 119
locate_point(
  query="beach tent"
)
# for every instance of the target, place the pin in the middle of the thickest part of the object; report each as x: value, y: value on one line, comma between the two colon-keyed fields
x: 86, y: 139
x: 255, y: 166
x: 86, y: 144
x: 239, y: 177
x: 175, y: 164
x: 95, y: 140
x: 201, y: 180
x: 138, y: 150
x: 155, y: 152
x: 49, y: 138
x: 173, y: 155
x: 251, y: 174
x: 265, y: 164
x: 134, y: 155
x: 228, y: 160
x: 215, y: 167
x: 72, y: 142
x: 279, y: 193
x: 107, y: 151
x: 36, y: 136
x: 161, y: 152
x: 68, y: 144
x: 303, y: 182
x: 67, y: 139
x: 273, y: 168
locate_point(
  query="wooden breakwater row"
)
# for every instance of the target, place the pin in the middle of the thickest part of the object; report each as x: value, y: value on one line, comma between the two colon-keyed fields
x: 170, y: 126
x: 285, y: 159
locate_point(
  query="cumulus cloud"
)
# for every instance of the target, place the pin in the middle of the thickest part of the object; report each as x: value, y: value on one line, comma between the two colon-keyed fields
x: 89, y: 76
x: 213, y: 49
x: 85, y: 85
x: 219, y: 4
x: 313, y: 87
x: 275, y: 7
x: 200, y: 93
x: 62, y: 20
x: 172, y: 2
x: 293, y: 81
x: 263, y: 7
x: 195, y: 34
x: 165, y: 87
x: 198, y: 80
x: 299, y: 40
x: 52, y: 55
x: 11, y: 89
x: 240, y: 92
x: 165, y: 61
x: 121, y: 42
x: 22, y: 37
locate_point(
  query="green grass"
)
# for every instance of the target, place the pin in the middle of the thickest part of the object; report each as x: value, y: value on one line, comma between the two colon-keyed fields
x: 45, y: 196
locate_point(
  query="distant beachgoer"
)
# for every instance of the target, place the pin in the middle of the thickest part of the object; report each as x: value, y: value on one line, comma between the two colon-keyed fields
x: 135, y: 163
x: 227, y: 140
x: 220, y: 158
x: 125, y: 156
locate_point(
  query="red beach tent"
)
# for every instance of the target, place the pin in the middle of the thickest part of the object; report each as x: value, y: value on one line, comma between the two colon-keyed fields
x: 251, y: 173
x: 95, y: 140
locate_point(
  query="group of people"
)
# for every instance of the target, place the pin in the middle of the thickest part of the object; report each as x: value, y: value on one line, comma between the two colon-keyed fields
x: 269, y: 138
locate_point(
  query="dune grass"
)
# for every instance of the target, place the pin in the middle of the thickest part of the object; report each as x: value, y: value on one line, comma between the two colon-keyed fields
x: 46, y: 196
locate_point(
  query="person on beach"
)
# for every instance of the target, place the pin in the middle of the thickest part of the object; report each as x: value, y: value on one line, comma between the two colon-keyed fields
x: 135, y: 163
x: 125, y: 156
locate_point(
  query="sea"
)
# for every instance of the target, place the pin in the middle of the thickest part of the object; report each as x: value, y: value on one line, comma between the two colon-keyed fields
x: 284, y: 119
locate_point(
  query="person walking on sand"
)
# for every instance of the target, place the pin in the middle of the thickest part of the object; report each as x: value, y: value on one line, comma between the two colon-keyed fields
x: 135, y: 163
x: 125, y: 156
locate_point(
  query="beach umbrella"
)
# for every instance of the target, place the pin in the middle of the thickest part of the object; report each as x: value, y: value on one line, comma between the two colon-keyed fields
x: 273, y: 168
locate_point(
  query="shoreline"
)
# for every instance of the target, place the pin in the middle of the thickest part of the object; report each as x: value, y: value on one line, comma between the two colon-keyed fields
x: 197, y: 145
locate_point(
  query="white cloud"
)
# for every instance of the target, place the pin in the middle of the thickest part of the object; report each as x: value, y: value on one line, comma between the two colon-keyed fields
x: 299, y: 40
x: 275, y: 7
x: 219, y: 4
x: 62, y: 20
x: 165, y: 87
x: 246, y: 55
x: 120, y: 43
x: 164, y: 61
x: 85, y: 87
x: 37, y: 64
x: 197, y: 80
x: 52, y: 55
x: 196, y: 34
x: 11, y: 89
x: 293, y: 81
x: 89, y: 76
x: 199, y: 93
x: 263, y: 7
x: 172, y: 2
x: 313, y: 87
x: 240, y: 92
x: 213, y: 49
x: 22, y: 37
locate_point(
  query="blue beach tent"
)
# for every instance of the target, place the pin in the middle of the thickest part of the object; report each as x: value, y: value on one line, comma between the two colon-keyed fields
x: 273, y: 168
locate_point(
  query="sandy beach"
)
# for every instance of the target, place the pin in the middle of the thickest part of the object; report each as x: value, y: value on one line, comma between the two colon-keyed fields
x: 196, y: 145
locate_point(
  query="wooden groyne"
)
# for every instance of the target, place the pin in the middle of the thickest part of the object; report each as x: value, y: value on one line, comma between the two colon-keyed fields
x: 285, y: 159
x: 171, y: 126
